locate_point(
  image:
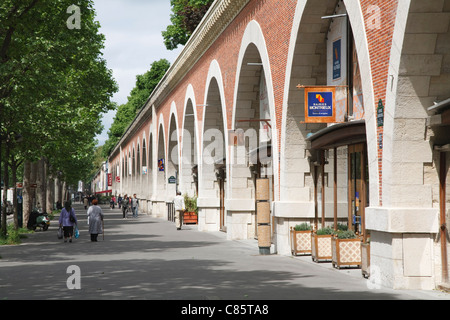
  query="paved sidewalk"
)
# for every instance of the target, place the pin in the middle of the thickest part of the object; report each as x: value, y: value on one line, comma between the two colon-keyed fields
x: 147, y: 258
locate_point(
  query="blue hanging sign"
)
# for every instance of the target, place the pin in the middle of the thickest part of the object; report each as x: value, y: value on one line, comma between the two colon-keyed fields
x: 337, y: 65
x: 161, y: 164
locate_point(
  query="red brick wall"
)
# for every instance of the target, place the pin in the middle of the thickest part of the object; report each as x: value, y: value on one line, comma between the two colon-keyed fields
x: 275, y: 19
x: 379, y: 42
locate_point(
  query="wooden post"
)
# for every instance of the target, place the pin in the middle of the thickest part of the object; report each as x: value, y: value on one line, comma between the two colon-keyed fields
x: 442, y: 205
x: 335, y: 187
x: 263, y: 215
x: 322, y: 164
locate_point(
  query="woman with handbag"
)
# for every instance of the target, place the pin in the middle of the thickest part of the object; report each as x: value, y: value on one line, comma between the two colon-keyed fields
x: 95, y: 215
x: 67, y: 220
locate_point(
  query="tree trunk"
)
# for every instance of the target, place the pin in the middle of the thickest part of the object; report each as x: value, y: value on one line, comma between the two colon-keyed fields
x: 42, y: 188
x: 5, y: 190
x: 64, y: 192
x: 14, y: 184
x: 58, y: 190
x: 33, y: 180
x: 26, y: 192
x: 50, y: 193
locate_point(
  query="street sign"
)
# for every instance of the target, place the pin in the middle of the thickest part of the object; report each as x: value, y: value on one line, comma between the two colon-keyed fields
x: 172, y: 180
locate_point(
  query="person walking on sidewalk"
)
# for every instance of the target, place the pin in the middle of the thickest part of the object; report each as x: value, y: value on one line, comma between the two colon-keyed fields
x: 67, y: 220
x: 134, y: 206
x: 178, y: 203
x: 119, y: 201
x: 124, y: 203
x: 95, y: 215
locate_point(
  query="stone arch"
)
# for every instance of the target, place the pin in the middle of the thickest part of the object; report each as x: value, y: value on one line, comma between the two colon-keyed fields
x: 144, y: 173
x: 160, y: 179
x: 419, y: 77
x: 307, y: 66
x: 138, y: 179
x: 173, y: 152
x: 190, y: 145
x: 253, y: 102
x: 213, y: 149
x: 133, y: 170
x: 151, y: 167
x: 122, y: 170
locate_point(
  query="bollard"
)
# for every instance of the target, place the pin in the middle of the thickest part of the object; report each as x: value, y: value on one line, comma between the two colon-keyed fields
x: 263, y: 215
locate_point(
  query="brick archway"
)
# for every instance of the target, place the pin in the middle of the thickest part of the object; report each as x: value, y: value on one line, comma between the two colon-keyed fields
x: 418, y: 76
x: 189, y: 145
x: 253, y: 75
x: 307, y: 65
x: 173, y: 152
x: 213, y: 148
x: 160, y: 179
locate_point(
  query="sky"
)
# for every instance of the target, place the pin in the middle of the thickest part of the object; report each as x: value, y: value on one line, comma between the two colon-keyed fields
x: 133, y: 41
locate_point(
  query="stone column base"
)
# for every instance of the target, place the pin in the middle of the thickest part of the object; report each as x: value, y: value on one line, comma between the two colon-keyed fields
x: 402, y: 253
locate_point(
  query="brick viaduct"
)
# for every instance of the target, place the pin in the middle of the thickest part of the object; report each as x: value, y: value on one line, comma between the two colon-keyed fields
x: 238, y: 76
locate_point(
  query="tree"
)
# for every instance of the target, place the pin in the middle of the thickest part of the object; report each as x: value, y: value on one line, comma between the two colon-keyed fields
x: 145, y: 84
x: 186, y: 16
x: 54, y: 85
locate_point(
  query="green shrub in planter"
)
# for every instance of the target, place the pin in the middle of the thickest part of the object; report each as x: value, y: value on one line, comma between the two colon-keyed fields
x: 346, y: 234
x: 302, y: 227
x: 190, y: 204
x: 341, y: 226
x: 325, y: 231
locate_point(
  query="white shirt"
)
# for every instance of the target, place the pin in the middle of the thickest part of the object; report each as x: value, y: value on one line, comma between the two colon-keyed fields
x: 179, y: 202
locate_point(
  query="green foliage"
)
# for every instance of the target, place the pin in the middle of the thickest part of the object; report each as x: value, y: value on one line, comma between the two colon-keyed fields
x: 145, y: 84
x: 186, y: 16
x: 342, y: 226
x: 190, y: 203
x: 13, y: 236
x: 54, y: 213
x: 325, y: 231
x: 54, y: 85
x: 302, y: 227
x: 347, y: 234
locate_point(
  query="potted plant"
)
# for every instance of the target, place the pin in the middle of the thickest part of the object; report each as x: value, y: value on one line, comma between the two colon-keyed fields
x: 346, y: 249
x: 365, y: 258
x: 321, y: 244
x: 301, y: 239
x: 190, y: 214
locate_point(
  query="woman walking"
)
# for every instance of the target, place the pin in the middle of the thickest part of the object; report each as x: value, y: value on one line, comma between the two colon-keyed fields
x: 95, y: 216
x: 125, y: 207
x: 67, y: 220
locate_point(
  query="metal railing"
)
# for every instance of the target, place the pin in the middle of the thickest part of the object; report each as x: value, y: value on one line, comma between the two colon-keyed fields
x: 170, y: 211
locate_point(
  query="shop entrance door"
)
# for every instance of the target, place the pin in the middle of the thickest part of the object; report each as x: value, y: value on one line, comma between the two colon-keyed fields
x: 357, y: 187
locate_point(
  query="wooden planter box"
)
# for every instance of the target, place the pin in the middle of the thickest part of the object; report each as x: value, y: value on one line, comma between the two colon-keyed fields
x: 365, y: 259
x: 190, y: 218
x: 300, y: 242
x: 320, y: 247
x: 346, y: 252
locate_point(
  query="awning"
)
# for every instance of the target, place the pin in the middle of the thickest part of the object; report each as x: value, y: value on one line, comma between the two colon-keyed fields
x: 337, y: 135
x: 439, y: 114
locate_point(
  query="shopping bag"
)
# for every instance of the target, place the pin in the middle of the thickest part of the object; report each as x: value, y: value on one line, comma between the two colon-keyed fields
x: 77, y: 232
x: 60, y: 233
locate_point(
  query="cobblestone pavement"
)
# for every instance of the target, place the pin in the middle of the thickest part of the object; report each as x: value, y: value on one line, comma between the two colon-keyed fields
x: 147, y: 258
